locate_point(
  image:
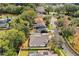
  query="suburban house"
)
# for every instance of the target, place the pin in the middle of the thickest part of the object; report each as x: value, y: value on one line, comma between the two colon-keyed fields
x: 66, y: 21
x: 39, y: 24
x: 39, y: 40
x: 40, y: 10
x: 40, y: 37
x: 39, y: 20
x: 3, y: 22
x: 40, y: 28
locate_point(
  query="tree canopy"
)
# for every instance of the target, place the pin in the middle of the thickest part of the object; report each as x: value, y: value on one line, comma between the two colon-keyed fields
x: 11, y: 40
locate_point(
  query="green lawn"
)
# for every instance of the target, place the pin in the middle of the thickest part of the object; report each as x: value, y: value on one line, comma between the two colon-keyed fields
x: 60, y: 52
x: 24, y: 52
x: 8, y: 15
x: 50, y: 27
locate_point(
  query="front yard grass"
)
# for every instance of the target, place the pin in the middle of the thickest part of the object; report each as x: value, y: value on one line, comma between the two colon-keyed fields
x: 50, y: 27
x: 3, y: 16
x: 24, y: 52
x: 60, y: 52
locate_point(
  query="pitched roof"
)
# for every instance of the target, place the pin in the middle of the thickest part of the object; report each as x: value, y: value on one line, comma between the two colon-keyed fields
x: 4, y: 21
x: 38, y: 39
x: 40, y: 9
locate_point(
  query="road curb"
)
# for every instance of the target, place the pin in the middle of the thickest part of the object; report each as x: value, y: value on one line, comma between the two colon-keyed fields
x: 77, y: 53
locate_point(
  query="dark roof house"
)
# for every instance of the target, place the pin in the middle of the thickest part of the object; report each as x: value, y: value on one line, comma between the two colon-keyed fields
x: 39, y: 24
x: 3, y: 22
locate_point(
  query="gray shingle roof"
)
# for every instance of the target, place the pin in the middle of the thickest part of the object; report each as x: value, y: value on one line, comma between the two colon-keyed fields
x: 4, y: 21
x: 40, y: 9
x: 38, y: 40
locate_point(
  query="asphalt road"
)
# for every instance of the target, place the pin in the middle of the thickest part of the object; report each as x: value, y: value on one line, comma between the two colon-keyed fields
x: 59, y: 38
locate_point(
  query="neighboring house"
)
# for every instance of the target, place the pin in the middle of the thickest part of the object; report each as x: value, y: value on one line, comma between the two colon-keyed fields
x: 3, y: 22
x: 39, y: 20
x: 39, y: 28
x: 66, y: 21
x: 39, y: 24
x: 42, y: 53
x: 39, y: 40
x: 40, y: 37
x: 40, y: 9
